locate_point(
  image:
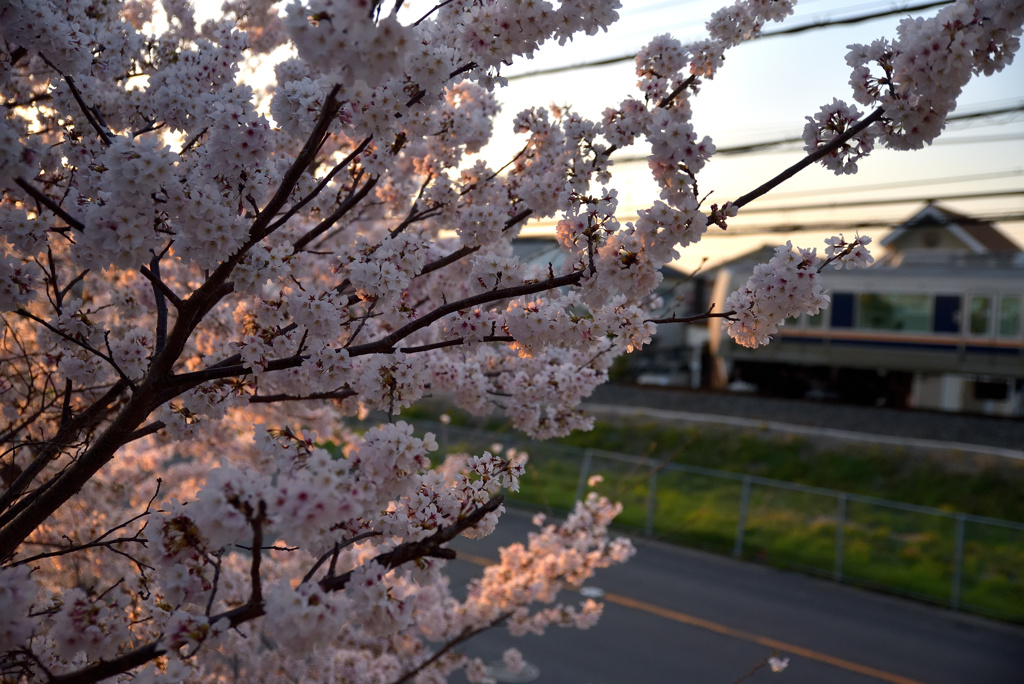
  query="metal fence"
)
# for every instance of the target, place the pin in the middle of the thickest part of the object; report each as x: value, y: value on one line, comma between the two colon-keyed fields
x: 963, y: 561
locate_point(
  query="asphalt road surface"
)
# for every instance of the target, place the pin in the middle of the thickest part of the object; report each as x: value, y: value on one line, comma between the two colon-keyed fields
x: 675, y: 615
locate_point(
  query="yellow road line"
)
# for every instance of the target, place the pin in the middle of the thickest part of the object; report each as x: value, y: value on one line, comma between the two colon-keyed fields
x: 694, y: 621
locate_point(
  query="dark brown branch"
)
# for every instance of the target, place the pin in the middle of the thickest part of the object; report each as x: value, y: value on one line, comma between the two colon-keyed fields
x: 333, y: 552
x: 466, y: 251
x: 668, y: 99
x: 230, y: 368
x: 274, y: 398
x: 88, y: 347
x: 821, y: 152
x: 691, y: 319
x: 90, y: 112
x: 42, y: 97
x: 99, y: 541
x: 49, y: 204
x: 160, y: 286
x: 255, y: 580
x: 191, y: 143
x: 386, y: 345
x: 145, y: 430
x: 335, y: 216
x: 413, y: 217
x: 137, y: 409
x: 447, y: 260
x: 84, y: 420
x: 518, y: 218
x: 320, y: 186
x: 436, y: 7
x: 453, y: 343
x: 464, y: 636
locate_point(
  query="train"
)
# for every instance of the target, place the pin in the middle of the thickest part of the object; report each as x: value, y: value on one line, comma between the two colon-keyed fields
x: 945, y: 335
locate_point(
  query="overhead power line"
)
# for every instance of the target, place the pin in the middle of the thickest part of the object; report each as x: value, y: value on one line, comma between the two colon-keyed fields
x: 843, y: 205
x: 871, y: 187
x: 761, y: 146
x: 881, y: 202
x: 781, y: 32
x: 832, y: 226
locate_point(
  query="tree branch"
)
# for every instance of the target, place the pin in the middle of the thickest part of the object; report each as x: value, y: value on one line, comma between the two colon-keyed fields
x: 464, y: 636
x: 692, y: 319
x: 99, y: 541
x: 274, y: 398
x: 335, y: 216
x: 90, y: 113
x: 321, y: 185
x: 88, y: 347
x: 41, y: 197
x: 386, y: 344
x: 454, y: 343
x: 821, y: 152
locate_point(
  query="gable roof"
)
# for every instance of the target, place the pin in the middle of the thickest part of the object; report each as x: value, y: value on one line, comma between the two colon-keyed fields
x: 979, y: 237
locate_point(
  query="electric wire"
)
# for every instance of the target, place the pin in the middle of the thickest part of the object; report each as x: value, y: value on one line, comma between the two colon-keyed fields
x: 768, y: 34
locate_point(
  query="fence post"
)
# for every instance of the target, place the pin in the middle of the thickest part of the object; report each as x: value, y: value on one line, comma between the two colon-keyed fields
x: 588, y: 461
x: 652, y: 502
x: 837, y: 568
x: 958, y: 562
x: 741, y: 524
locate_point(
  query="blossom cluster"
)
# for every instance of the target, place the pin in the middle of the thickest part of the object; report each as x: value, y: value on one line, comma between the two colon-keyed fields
x: 787, y: 286
x: 916, y: 78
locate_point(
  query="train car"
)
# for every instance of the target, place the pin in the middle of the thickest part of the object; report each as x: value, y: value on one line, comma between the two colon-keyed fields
x: 929, y: 335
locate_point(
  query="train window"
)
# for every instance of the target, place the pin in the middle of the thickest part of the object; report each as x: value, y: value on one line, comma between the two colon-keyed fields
x: 817, y: 320
x: 980, y: 312
x: 842, y: 310
x: 904, y: 312
x: 1009, y: 316
x: 947, y: 314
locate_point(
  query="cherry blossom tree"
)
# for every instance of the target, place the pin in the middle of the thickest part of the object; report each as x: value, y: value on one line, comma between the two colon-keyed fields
x: 200, y: 280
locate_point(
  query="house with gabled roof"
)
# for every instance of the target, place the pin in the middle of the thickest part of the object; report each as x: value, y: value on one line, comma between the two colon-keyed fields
x: 935, y: 234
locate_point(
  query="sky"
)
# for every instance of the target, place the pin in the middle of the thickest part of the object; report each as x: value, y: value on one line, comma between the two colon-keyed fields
x: 764, y: 92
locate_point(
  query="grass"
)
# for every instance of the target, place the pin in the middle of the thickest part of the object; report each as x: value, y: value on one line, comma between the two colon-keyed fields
x: 895, y: 550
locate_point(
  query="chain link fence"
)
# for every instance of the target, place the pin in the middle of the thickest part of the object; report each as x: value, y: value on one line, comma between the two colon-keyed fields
x: 966, y: 562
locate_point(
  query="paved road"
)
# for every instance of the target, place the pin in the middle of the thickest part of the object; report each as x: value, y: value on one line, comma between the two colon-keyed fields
x: 675, y: 615
x: 1004, y: 433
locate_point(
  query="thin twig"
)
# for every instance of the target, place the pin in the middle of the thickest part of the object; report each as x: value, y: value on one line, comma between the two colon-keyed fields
x: 462, y: 638
x: 50, y: 204
x: 84, y: 345
x: 691, y: 319
x: 90, y: 113
x: 333, y: 552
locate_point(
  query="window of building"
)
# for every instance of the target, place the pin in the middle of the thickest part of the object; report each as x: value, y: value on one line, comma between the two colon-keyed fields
x: 903, y: 312
x: 997, y: 390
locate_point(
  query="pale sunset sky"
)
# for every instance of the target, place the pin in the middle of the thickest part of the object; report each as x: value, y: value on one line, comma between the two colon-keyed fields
x: 762, y: 93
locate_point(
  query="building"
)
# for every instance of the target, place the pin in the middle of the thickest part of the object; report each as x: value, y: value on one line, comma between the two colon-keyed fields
x: 936, y: 323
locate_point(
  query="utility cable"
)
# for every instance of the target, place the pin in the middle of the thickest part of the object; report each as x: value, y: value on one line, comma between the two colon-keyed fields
x: 761, y: 146
x: 781, y: 32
